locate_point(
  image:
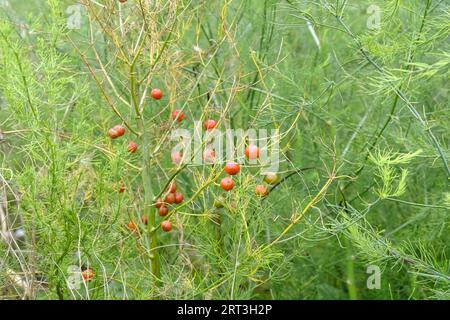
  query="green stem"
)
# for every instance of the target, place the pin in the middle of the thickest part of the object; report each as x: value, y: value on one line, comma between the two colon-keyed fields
x: 146, y: 179
x: 349, y: 265
x: 350, y: 272
x: 148, y: 203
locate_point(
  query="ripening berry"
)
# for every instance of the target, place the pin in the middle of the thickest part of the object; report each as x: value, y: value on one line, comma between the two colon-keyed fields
x: 116, y: 131
x: 156, y: 94
x: 219, y: 202
x: 261, y: 190
x: 271, y: 178
x: 132, y: 226
x: 227, y: 184
x: 144, y: 219
x: 132, y: 147
x: 163, y: 211
x: 88, y: 274
x: 210, y: 124
x: 121, y: 187
x: 252, y: 152
x: 232, y: 168
x: 122, y: 1
x: 177, y: 157
x: 179, y: 197
x: 166, y: 226
x: 178, y: 115
x: 170, y: 198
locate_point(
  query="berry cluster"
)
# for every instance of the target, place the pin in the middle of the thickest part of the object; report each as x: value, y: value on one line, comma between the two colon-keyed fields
x: 171, y: 197
x: 232, y: 168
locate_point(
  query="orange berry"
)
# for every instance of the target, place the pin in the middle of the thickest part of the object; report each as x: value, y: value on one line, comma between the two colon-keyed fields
x: 166, y: 226
x: 170, y: 198
x: 88, y: 275
x: 156, y: 94
x: 227, y: 184
x: 132, y: 147
x: 163, y: 211
x: 178, y: 197
x: 159, y: 203
x: 232, y: 168
x: 210, y: 124
x: 178, y: 115
x: 252, y: 152
x: 261, y: 190
x: 132, y: 226
x: 116, y: 131
x: 172, y: 187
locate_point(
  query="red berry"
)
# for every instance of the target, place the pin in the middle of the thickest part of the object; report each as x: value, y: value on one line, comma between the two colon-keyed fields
x: 178, y: 115
x: 170, y: 198
x: 116, y: 131
x: 120, y: 130
x: 252, y: 152
x: 227, y: 184
x: 232, y: 168
x: 163, y: 211
x: 210, y: 124
x: 122, y: 1
x: 261, y: 190
x: 112, y: 133
x: 88, y: 275
x: 178, y: 197
x: 166, y: 226
x: 159, y: 203
x: 132, y: 147
x: 144, y: 219
x: 172, y: 188
x: 156, y: 94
